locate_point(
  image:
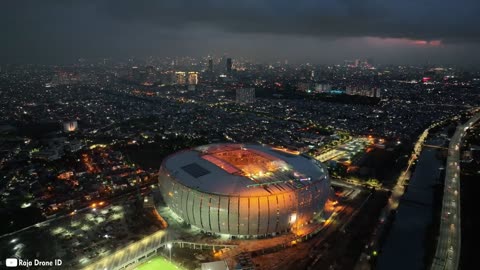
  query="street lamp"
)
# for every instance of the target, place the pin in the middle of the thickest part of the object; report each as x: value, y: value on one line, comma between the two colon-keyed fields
x: 169, y: 246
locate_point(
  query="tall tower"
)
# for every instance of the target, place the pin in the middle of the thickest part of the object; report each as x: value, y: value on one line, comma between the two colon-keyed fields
x: 357, y: 62
x: 229, y: 65
x: 210, y: 66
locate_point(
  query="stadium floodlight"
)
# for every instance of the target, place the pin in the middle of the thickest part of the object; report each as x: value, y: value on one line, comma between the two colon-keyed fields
x: 169, y: 246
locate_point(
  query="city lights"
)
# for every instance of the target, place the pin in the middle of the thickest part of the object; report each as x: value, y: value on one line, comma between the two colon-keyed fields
x: 259, y: 135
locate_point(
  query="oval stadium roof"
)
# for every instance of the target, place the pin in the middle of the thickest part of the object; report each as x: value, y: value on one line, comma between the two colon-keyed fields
x: 243, y: 169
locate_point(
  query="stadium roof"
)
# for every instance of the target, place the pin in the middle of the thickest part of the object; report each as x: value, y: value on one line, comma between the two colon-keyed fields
x: 243, y: 169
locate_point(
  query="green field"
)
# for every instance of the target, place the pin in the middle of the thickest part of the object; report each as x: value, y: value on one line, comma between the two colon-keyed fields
x: 158, y: 263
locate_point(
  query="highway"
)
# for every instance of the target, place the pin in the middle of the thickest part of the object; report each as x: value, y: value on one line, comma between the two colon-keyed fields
x: 447, y: 255
x: 397, y: 192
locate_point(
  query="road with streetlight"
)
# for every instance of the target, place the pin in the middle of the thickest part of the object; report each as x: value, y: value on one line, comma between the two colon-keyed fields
x: 447, y: 255
x: 397, y: 192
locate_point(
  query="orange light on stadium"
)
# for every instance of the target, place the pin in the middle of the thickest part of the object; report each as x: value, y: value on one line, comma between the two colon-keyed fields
x: 286, y: 150
x: 101, y: 203
x: 93, y: 205
x: 293, y: 218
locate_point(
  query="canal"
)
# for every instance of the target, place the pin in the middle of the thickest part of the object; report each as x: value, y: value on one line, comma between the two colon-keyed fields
x: 410, y: 239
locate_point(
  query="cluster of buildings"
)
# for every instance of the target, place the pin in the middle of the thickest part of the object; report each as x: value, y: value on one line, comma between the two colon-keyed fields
x: 363, y: 91
x: 245, y: 95
x: 189, y: 78
x: 67, y: 136
x: 233, y: 109
x: 325, y: 88
x: 63, y: 174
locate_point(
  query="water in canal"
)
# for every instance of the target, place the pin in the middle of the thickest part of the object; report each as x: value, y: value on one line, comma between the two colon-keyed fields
x: 406, y: 244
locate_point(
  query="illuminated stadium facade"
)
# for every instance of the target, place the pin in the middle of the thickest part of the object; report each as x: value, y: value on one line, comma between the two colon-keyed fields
x: 243, y: 189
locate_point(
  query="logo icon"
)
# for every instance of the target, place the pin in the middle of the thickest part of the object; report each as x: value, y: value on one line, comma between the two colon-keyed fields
x: 11, y: 262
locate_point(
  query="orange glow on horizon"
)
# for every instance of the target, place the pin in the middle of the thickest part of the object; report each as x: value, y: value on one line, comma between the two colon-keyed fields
x: 434, y: 43
x: 404, y: 41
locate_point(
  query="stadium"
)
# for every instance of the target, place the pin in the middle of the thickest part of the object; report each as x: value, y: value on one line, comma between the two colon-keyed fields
x: 243, y: 189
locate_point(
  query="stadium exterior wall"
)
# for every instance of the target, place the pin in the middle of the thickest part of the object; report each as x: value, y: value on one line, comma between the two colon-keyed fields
x: 242, y: 215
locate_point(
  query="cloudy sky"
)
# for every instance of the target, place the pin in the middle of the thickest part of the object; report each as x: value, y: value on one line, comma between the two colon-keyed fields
x: 318, y: 31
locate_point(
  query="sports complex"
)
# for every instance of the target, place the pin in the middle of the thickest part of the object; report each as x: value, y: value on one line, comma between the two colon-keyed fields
x: 246, y: 190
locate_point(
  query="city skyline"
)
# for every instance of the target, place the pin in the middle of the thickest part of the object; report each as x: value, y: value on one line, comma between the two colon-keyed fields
x: 255, y: 134
x: 409, y: 32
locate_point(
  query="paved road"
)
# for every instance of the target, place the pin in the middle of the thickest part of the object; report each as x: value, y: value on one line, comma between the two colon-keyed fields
x: 399, y: 189
x: 447, y: 254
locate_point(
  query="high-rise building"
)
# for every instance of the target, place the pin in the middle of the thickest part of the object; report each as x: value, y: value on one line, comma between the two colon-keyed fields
x: 322, y: 87
x: 210, y: 66
x: 245, y: 95
x: 357, y: 62
x: 349, y: 90
x: 150, y: 76
x: 229, y: 65
x: 192, y: 78
x: 180, y: 77
x: 362, y: 90
x: 303, y: 86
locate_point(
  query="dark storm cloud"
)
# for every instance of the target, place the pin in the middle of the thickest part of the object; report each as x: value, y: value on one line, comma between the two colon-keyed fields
x: 60, y: 30
x: 417, y: 19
